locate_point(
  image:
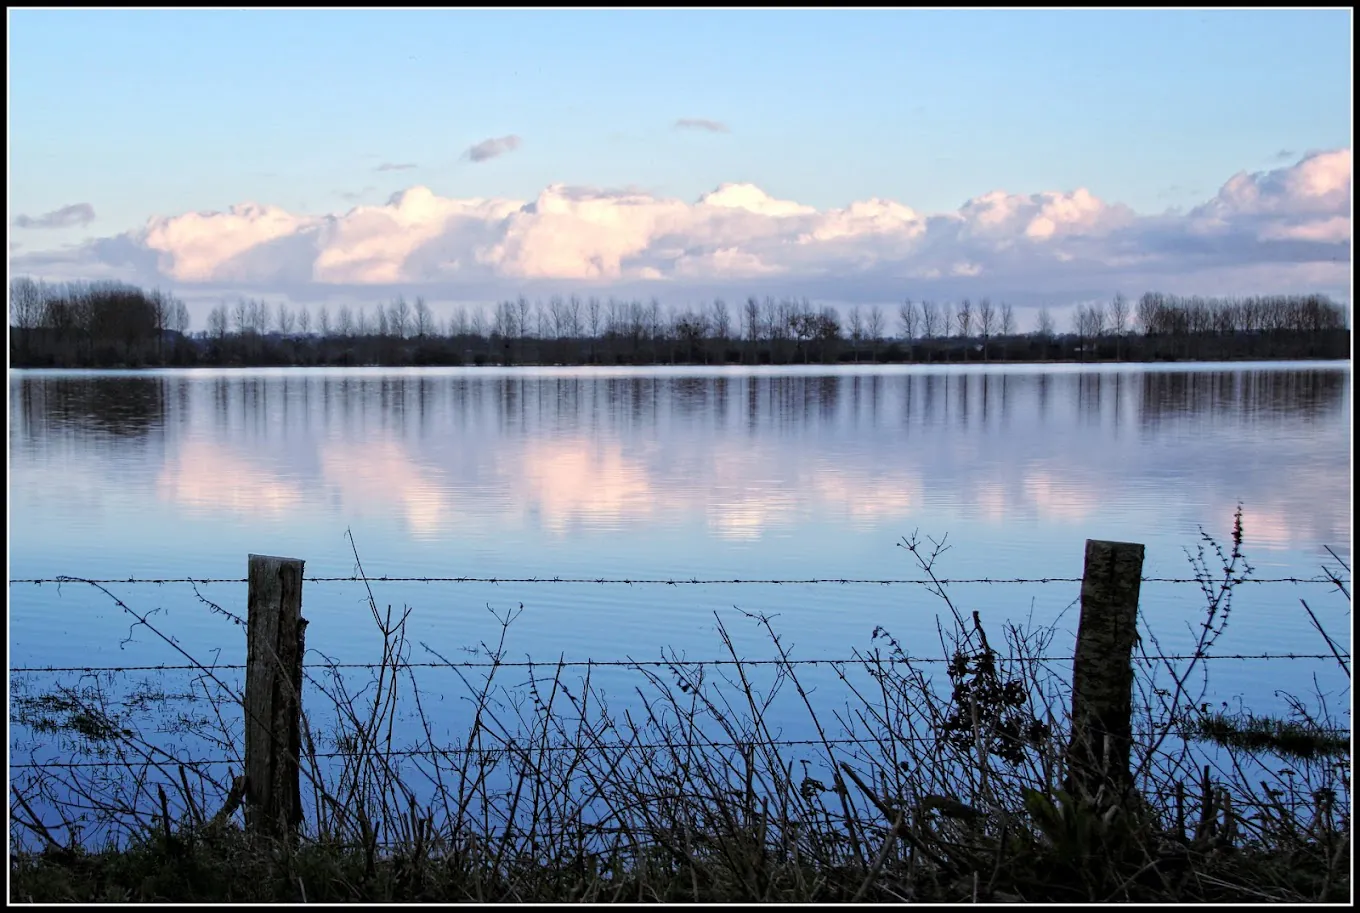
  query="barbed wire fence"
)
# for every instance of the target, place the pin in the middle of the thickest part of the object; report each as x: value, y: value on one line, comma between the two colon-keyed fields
x: 1327, y: 580
x: 489, y: 753
x: 672, y: 581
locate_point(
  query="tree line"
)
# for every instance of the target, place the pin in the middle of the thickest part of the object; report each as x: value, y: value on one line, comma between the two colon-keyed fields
x: 105, y: 324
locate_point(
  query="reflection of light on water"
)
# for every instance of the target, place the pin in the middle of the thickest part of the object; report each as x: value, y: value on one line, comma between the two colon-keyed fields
x: 205, y: 478
x: 770, y: 452
x: 1060, y: 499
x: 865, y: 500
x: 376, y: 474
x: 575, y: 481
x: 746, y: 519
x: 990, y: 501
x: 1269, y: 527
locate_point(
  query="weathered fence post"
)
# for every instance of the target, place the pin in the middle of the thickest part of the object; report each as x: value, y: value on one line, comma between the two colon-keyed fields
x: 273, y: 700
x: 1102, y: 672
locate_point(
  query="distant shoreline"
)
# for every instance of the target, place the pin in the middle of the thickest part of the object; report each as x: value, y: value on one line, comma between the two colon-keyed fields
x: 715, y: 369
x: 116, y: 326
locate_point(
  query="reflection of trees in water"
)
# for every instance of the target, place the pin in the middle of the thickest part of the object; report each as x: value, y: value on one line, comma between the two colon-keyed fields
x: 271, y: 408
x: 122, y: 407
x: 1302, y: 393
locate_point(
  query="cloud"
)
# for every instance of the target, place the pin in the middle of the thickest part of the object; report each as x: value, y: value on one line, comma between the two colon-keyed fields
x: 490, y: 148
x: 396, y: 166
x: 66, y: 217
x: 1280, y: 230
x: 701, y: 123
x: 1284, y: 155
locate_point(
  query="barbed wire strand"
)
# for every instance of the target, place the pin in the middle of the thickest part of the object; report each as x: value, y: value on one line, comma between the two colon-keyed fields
x: 520, y: 750
x: 653, y: 663
x: 672, y: 581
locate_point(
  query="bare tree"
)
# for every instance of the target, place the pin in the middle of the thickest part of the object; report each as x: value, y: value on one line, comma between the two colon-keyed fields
x: 506, y: 320
x: 25, y: 304
x: 986, y: 316
x: 1045, y: 326
x: 946, y: 320
x: 1089, y: 323
x: 399, y: 318
x: 424, y: 319
x: 522, y: 315
x: 218, y: 321
x: 1119, y: 314
x: 161, y: 305
x: 284, y: 320
x: 458, y: 321
x: 240, y: 316
x: 1007, y: 319
x: 1119, y: 318
x: 908, y: 318
x: 323, y: 322
x: 722, y: 320
x: 259, y: 317
x: 304, y: 321
x: 593, y: 316
x: 542, y: 320
x: 345, y: 321
x: 752, y: 315
x: 557, y: 312
x: 874, y: 323
x: 874, y: 326
x: 25, y: 310
x: 1097, y: 319
x: 803, y: 325
x: 856, y: 326
x: 930, y: 319
x: 770, y: 321
x: 964, y: 319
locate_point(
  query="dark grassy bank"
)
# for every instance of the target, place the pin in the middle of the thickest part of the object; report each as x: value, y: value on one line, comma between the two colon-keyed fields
x: 111, y: 325
x: 937, y: 779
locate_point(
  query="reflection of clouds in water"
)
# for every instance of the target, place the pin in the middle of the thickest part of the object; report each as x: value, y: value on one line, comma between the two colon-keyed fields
x: 747, y: 519
x: 741, y: 493
x: 203, y: 477
x: 576, y: 482
x: 989, y: 500
x: 377, y: 474
x: 1268, y: 526
x: 865, y: 499
x: 1051, y: 496
x: 756, y: 454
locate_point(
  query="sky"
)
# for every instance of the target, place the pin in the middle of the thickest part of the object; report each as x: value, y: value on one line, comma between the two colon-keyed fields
x: 849, y: 156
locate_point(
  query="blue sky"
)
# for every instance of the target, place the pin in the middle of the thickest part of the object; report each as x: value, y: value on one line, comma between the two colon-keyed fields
x: 153, y: 114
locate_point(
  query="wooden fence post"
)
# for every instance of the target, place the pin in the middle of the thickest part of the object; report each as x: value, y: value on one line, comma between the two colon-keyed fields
x: 1102, y: 672
x: 273, y: 700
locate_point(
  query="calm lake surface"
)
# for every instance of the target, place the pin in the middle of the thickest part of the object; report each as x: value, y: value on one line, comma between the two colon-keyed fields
x: 679, y: 473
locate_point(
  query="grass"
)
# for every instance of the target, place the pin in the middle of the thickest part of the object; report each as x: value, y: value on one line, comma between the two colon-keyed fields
x: 933, y: 782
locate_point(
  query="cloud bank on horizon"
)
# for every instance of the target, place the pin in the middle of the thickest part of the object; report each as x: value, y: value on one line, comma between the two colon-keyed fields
x: 1282, y: 230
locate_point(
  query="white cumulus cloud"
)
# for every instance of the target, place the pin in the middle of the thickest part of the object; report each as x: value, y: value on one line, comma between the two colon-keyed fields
x: 1278, y: 227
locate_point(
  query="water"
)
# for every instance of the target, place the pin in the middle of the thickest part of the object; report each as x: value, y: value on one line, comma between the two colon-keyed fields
x: 672, y: 474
